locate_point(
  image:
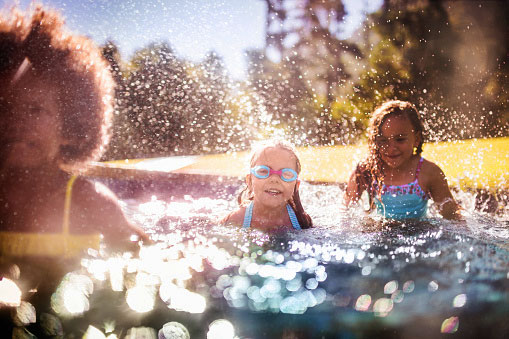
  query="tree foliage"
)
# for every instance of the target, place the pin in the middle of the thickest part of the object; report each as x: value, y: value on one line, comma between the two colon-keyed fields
x: 169, y: 106
x: 310, y: 85
x: 425, y: 52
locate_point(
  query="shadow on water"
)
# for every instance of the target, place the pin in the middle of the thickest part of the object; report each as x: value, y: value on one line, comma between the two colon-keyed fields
x: 349, y: 277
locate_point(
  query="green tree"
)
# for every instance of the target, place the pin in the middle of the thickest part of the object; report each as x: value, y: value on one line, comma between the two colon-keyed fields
x: 167, y: 105
x: 447, y: 59
x: 306, y: 36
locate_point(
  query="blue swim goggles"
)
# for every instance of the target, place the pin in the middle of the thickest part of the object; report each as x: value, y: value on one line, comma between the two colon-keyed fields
x: 263, y: 172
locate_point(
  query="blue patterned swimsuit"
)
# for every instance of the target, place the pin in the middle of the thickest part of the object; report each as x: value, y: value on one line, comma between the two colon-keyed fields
x: 249, y: 215
x: 404, y: 201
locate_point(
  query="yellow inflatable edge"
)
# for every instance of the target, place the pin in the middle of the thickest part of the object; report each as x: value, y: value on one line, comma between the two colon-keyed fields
x: 20, y: 244
x: 467, y: 164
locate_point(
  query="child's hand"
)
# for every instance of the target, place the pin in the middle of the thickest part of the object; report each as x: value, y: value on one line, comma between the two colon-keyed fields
x: 449, y: 209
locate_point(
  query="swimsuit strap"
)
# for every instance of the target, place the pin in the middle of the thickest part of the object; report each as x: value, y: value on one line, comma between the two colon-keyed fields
x: 67, y: 205
x: 249, y: 215
x: 418, y: 168
x: 293, y: 217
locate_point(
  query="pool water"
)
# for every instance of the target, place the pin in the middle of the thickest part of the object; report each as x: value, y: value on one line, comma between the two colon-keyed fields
x: 351, y: 276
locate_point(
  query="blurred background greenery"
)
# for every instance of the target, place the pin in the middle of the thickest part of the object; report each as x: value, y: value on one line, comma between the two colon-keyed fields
x: 310, y: 86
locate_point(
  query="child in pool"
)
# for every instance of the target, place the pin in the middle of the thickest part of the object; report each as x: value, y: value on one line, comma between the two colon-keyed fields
x: 399, y: 181
x: 56, y: 98
x: 271, y: 199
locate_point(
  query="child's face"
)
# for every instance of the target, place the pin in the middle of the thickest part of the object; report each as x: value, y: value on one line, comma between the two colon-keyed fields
x: 31, y: 130
x: 273, y: 191
x: 396, y: 141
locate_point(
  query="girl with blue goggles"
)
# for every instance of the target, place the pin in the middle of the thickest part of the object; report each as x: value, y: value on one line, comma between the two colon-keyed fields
x: 271, y: 204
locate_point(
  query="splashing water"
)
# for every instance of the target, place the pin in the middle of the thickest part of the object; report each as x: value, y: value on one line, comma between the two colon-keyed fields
x: 348, y: 275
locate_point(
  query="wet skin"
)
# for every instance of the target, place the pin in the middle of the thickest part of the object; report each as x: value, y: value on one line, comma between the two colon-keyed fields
x: 270, y: 195
x: 31, y: 129
x: 32, y: 184
x: 396, y: 144
x: 273, y: 192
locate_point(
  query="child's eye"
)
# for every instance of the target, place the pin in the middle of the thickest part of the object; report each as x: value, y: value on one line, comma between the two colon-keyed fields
x: 262, y: 171
x: 287, y: 174
x: 381, y: 141
x: 401, y: 139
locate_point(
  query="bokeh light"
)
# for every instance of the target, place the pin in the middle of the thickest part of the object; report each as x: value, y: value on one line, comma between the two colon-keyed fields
x: 382, y: 307
x: 181, y: 299
x: 363, y: 302
x: 173, y: 330
x: 390, y: 287
x: 71, y: 297
x: 432, y: 286
x: 460, y: 300
x: 221, y: 329
x: 450, y: 325
x: 140, y: 298
x: 10, y: 294
x: 408, y: 286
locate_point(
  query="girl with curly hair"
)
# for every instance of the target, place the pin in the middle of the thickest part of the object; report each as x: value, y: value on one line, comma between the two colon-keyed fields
x: 398, y: 179
x: 56, y: 102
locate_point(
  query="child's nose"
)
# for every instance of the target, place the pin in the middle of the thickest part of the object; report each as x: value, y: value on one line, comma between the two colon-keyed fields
x: 391, y: 144
x: 274, y: 176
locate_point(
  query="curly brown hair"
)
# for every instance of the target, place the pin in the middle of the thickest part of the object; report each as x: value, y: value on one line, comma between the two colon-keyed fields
x: 70, y: 63
x: 369, y: 171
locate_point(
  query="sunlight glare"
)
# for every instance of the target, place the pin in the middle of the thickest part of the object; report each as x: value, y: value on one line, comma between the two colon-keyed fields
x: 10, y: 294
x: 181, y: 299
x: 221, y: 329
x: 140, y: 299
x: 93, y: 333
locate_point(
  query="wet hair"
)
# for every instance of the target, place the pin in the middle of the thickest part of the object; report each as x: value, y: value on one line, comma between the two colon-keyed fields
x: 246, y: 195
x: 71, y: 64
x: 370, y: 170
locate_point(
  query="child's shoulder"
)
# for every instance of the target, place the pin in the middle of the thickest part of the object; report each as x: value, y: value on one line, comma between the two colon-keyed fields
x: 234, y: 218
x: 430, y: 166
x: 430, y: 171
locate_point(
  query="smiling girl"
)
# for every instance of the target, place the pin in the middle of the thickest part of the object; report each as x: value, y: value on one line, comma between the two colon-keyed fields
x: 271, y: 199
x: 399, y: 181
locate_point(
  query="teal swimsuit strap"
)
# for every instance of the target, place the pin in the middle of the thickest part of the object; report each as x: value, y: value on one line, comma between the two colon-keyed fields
x: 293, y: 217
x: 418, y: 170
x: 249, y: 215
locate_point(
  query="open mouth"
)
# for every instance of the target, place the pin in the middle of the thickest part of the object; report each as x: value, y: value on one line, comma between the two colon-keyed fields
x: 273, y: 192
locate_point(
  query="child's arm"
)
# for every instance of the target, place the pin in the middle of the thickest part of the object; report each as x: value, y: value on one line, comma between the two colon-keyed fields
x: 353, y: 189
x: 441, y: 194
x: 104, y: 213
